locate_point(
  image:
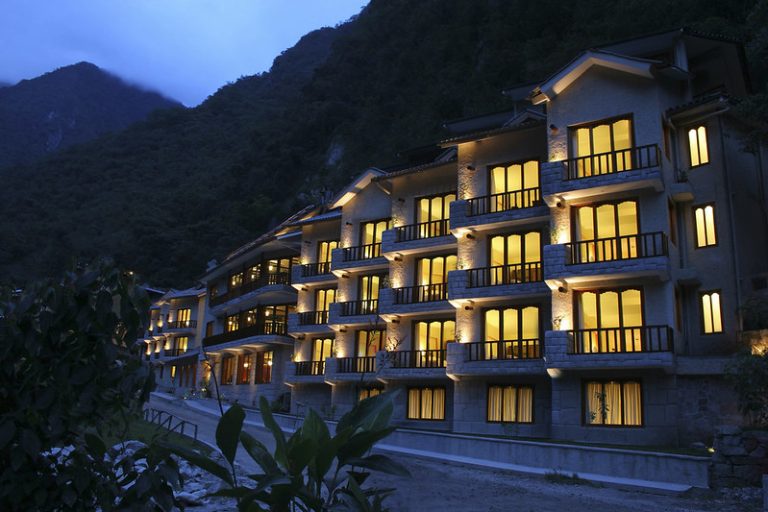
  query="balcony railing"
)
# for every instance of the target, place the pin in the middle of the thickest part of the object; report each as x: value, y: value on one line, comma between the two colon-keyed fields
x: 269, y: 328
x: 360, y: 307
x: 181, y: 324
x: 505, y: 349
x: 417, y: 358
x: 249, y: 286
x: 173, y: 352
x: 316, y: 269
x: 356, y: 364
x: 310, y: 368
x: 313, y: 317
x: 611, y: 340
x: 506, y: 274
x: 362, y: 252
x: 513, y: 200
x: 421, y: 293
x: 640, y: 157
x: 422, y: 230
x: 626, y: 247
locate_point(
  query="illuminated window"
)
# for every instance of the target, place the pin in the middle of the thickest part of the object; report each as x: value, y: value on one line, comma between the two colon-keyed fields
x: 515, y: 258
x: 711, y: 312
x: 370, y: 237
x: 706, y: 233
x: 602, y: 147
x: 181, y: 344
x: 430, y: 211
x: 364, y: 393
x: 324, y: 297
x: 514, y: 186
x: 613, y: 402
x: 434, y: 334
x: 510, y: 404
x: 426, y: 403
x: 325, y: 250
x: 245, y: 361
x: 608, y: 321
x: 233, y: 323
x: 183, y: 317
x: 434, y: 270
x: 252, y: 274
x: 369, y: 342
x: 608, y: 228
x: 227, y: 369
x: 321, y: 349
x: 516, y: 330
x: 369, y: 287
x: 263, y: 367
x: 235, y: 280
x: 697, y: 144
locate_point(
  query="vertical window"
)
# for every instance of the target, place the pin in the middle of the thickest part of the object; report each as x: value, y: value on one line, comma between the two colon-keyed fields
x: 608, y: 321
x: 711, y: 312
x: 235, y: 280
x: 514, y: 186
x: 697, y: 145
x: 323, y: 298
x: 369, y: 342
x: 510, y: 404
x: 181, y: 344
x: 278, y: 270
x: 227, y: 369
x: 253, y: 273
x: 233, y: 323
x: 602, y: 147
x: 706, y: 234
x: 370, y: 237
x: 183, y: 317
x: 250, y: 317
x: 672, y: 209
x: 434, y: 334
x: 324, y: 251
x: 208, y: 329
x: 245, y: 361
x: 613, y: 402
x: 274, y: 319
x: 426, y: 403
x: 609, y: 229
x: 432, y: 214
x: 263, y: 373
x: 515, y: 258
x: 516, y: 329
x: 321, y: 349
x: 369, y: 392
x: 434, y: 270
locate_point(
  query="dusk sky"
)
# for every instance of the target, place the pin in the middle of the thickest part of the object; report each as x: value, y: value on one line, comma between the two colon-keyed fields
x: 185, y: 49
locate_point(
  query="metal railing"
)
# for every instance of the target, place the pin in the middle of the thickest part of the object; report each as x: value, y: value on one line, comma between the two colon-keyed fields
x: 505, y: 274
x: 360, y: 307
x: 170, y: 422
x: 316, y: 269
x: 422, y: 230
x: 362, y: 252
x: 310, y: 368
x: 503, y: 201
x: 248, y: 286
x: 611, y: 340
x: 181, y: 324
x: 365, y: 364
x: 421, y: 293
x: 417, y: 358
x: 504, y: 349
x: 173, y: 352
x: 644, y: 245
x: 259, y: 329
x: 313, y: 317
x: 641, y: 157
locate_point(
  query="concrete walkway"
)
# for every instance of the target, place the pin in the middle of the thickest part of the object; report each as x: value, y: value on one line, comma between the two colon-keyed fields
x: 439, y: 486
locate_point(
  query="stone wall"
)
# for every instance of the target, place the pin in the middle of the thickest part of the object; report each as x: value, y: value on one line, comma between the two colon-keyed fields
x: 741, y: 457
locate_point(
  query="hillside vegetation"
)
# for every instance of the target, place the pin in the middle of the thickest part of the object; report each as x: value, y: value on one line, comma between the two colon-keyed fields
x: 168, y: 194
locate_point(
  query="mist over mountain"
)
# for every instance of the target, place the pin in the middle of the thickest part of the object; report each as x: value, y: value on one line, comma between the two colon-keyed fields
x: 70, y: 105
x: 169, y: 193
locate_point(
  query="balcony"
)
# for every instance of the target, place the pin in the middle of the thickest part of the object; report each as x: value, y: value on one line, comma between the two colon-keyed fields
x: 408, y: 300
x: 633, y: 256
x: 351, y: 369
x: 421, y: 293
x: 523, y: 279
x: 267, y: 332
x: 354, y: 312
x: 312, y: 273
x: 504, y: 209
x: 180, y: 325
x: 313, y: 317
x: 174, y: 352
x: 360, y: 257
x: 637, y: 168
x: 310, y: 368
x: 647, y: 346
x: 309, y: 322
x: 493, y: 358
x: 434, y: 234
x: 270, y: 282
x: 409, y: 364
x: 305, y: 372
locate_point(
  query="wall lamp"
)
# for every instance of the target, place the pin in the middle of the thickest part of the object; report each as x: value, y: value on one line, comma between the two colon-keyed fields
x: 560, y: 204
x: 348, y: 223
x: 470, y: 236
x: 398, y: 257
x: 553, y: 128
x: 562, y: 289
x: 471, y: 168
x: 400, y: 200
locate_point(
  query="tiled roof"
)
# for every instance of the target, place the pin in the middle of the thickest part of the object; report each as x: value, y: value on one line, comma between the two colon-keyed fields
x: 177, y: 294
x: 329, y: 215
x: 269, y: 235
x: 702, y: 100
x: 484, y: 134
x: 415, y: 169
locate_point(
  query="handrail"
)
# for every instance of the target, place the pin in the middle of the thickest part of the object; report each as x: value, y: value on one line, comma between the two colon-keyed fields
x: 504, y: 349
x: 320, y: 268
x: 505, y: 274
x: 611, y: 340
x: 504, y: 201
x: 166, y: 419
x: 643, y: 245
x: 310, y: 367
x: 429, y: 229
x: 248, y: 286
x: 259, y: 329
x: 421, y: 293
x: 417, y: 358
x: 365, y: 364
x: 362, y: 252
x: 313, y: 317
x: 360, y: 307
x: 630, y: 159
x: 181, y: 324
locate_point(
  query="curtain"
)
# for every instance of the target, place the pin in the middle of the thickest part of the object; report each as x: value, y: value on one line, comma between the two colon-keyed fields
x: 525, y: 405
x: 494, y: 403
x: 413, y: 403
x: 438, y: 404
x: 426, y: 404
x: 510, y: 404
x: 633, y: 414
x: 612, y: 403
x: 594, y: 398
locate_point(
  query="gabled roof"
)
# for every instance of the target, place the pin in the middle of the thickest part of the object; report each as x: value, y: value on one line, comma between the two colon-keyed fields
x: 179, y: 294
x: 571, y: 72
x: 320, y: 216
x: 446, y: 157
x: 525, y: 124
x: 355, y: 187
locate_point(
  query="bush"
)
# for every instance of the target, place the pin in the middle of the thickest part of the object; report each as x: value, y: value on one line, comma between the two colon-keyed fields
x: 749, y: 375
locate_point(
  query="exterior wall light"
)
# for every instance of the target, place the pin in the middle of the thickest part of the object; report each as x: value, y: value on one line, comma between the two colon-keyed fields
x: 470, y: 236
x: 471, y: 168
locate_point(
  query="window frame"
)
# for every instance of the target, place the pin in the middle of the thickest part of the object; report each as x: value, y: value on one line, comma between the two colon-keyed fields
x: 326, y: 290
x: 230, y: 367
x: 443, y: 342
x: 621, y: 381
x: 445, y: 257
x: 591, y: 124
x: 517, y: 387
x: 598, y: 291
x: 367, y: 389
x: 702, y: 326
x: 702, y: 206
x: 698, y: 142
x: 519, y: 307
x: 505, y: 165
x: 416, y: 209
x: 242, y: 370
x: 261, y: 364
x: 506, y: 235
x: 420, y: 388
x: 319, y: 245
x: 615, y: 203
x: 381, y: 275
x: 323, y: 340
x: 382, y: 340
x: 361, y: 229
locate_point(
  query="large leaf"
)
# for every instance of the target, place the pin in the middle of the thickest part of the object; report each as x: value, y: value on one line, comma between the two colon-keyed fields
x: 259, y: 454
x: 360, y: 443
x: 228, y: 432
x: 369, y: 413
x: 277, y: 432
x: 379, y: 463
x: 200, y: 461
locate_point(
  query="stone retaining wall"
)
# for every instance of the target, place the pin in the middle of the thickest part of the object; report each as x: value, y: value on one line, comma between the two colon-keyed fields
x: 741, y: 457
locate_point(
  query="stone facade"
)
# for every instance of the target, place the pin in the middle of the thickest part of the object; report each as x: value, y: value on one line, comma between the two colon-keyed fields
x: 740, y: 458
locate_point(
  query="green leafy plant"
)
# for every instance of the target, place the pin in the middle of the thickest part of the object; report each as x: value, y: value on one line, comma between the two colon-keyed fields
x: 311, y: 470
x: 748, y: 373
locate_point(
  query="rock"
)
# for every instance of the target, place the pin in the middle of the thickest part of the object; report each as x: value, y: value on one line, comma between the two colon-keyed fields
x: 728, y: 430
x: 188, y: 499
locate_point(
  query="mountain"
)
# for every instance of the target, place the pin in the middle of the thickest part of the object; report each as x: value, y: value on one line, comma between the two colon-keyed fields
x: 68, y: 106
x: 167, y: 194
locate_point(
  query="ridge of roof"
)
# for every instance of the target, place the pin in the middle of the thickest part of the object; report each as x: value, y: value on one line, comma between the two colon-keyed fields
x: 484, y: 134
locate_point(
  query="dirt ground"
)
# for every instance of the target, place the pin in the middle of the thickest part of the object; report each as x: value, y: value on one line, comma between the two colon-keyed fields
x: 452, y: 487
